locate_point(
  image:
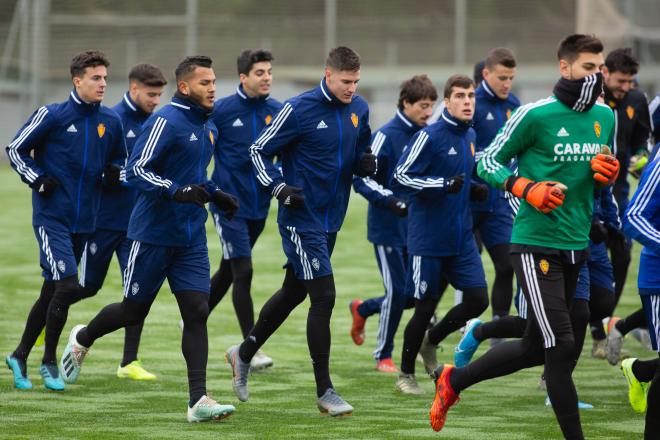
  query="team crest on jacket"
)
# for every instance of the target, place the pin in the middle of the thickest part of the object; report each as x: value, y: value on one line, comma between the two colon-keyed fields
x: 630, y: 112
x: 268, y: 119
x: 508, y: 113
x: 472, y: 148
x: 354, y: 120
x: 100, y: 129
x: 597, y: 128
x: 211, y: 138
x: 544, y: 266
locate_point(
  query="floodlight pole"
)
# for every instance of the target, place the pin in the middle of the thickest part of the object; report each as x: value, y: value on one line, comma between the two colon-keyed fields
x: 460, y: 19
x: 191, y: 27
x: 330, y: 26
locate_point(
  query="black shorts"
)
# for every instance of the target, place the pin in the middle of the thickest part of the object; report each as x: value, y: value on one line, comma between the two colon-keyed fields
x: 548, y: 278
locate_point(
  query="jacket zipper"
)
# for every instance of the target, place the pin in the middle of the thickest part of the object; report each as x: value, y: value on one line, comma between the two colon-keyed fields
x: 339, y: 164
x: 82, y: 175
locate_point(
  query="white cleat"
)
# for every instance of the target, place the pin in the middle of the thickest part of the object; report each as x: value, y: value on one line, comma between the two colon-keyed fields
x: 260, y: 361
x: 73, y: 356
x: 407, y: 384
x: 207, y: 409
x: 332, y: 404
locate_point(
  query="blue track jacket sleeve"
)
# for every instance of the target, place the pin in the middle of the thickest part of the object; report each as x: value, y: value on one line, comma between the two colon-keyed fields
x: 273, y: 139
x: 640, y: 220
x: 363, y: 141
x: 28, y: 138
x: 375, y: 189
x: 151, y: 145
x: 412, y: 170
x: 609, y: 208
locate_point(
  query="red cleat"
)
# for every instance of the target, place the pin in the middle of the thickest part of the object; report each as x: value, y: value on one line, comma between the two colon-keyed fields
x: 357, y: 329
x: 445, y: 397
x: 386, y: 366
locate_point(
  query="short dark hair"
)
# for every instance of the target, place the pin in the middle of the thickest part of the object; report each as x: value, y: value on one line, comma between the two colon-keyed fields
x: 457, y: 80
x: 147, y: 74
x: 88, y: 58
x: 250, y: 57
x: 572, y: 46
x: 500, y: 55
x: 189, y: 64
x: 415, y: 89
x: 478, y: 74
x: 622, y: 60
x: 343, y: 58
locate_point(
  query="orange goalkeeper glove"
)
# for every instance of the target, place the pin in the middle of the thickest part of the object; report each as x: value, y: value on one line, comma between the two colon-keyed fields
x: 605, y: 166
x: 544, y: 196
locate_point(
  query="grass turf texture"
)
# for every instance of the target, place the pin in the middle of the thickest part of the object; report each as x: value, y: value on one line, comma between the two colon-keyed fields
x: 282, y: 401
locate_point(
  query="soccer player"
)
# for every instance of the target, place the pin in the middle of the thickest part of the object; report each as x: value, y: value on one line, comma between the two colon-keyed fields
x: 436, y: 172
x: 66, y: 152
x: 492, y: 219
x: 386, y: 219
x: 630, y: 142
x: 642, y: 222
x: 146, y: 83
x: 323, y: 136
x: 168, y: 167
x: 557, y: 142
x: 240, y: 118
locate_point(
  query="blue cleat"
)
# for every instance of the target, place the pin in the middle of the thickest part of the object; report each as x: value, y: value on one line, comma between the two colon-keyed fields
x: 468, y: 345
x: 51, y: 376
x: 18, y: 367
x: 581, y: 404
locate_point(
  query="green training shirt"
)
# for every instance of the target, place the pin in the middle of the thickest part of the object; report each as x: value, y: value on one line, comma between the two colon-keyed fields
x: 551, y: 142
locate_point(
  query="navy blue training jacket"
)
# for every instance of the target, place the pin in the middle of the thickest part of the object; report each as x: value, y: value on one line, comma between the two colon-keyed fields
x: 320, y: 140
x: 240, y: 119
x: 383, y: 226
x: 117, y: 203
x: 71, y: 142
x: 439, y: 223
x: 173, y: 150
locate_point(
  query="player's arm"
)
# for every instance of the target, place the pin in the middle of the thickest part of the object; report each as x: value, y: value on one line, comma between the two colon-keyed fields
x: 516, y: 136
x: 272, y: 140
x: 372, y: 188
x: 643, y: 206
x: 29, y: 138
x: 365, y: 165
x: 412, y: 171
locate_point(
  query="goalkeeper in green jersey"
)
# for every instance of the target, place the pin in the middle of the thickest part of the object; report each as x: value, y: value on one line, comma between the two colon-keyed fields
x: 562, y: 145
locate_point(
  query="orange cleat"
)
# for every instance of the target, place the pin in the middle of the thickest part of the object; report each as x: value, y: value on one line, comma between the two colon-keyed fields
x: 357, y: 329
x: 610, y: 324
x: 445, y: 397
x: 386, y: 366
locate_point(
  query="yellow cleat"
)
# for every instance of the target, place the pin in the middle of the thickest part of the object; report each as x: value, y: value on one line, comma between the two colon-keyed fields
x: 134, y: 371
x: 40, y: 339
x: 636, y: 390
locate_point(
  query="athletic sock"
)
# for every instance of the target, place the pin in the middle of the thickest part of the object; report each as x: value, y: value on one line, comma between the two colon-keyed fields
x: 652, y: 428
x: 322, y: 298
x: 635, y: 320
x: 475, y: 301
x: 506, y: 327
x: 273, y: 314
x: 36, y: 321
x: 58, y: 310
x: 644, y: 371
x: 242, y: 275
x: 132, y: 337
x: 220, y: 282
x: 194, y: 340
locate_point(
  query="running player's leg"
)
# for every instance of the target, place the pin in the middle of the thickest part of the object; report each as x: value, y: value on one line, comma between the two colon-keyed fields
x: 391, y: 261
x: 223, y: 277
x: 579, y: 307
x: 465, y: 272
x: 651, y: 306
x: 36, y: 321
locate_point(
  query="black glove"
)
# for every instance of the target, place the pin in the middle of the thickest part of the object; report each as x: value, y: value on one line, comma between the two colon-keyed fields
x: 111, y: 175
x: 454, y: 184
x: 226, y: 202
x: 616, y: 241
x: 192, y: 194
x: 367, y: 165
x: 290, y: 197
x: 478, y: 192
x: 44, y: 185
x: 598, y: 232
x: 397, y: 206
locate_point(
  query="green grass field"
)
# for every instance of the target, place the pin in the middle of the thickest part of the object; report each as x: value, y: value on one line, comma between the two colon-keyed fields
x: 282, y: 403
